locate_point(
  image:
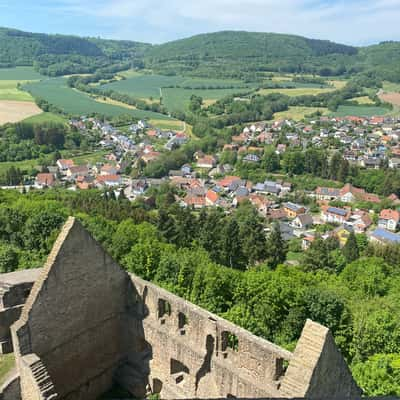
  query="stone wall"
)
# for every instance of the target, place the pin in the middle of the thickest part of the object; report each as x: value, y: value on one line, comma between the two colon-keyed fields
x: 198, y: 355
x: 87, y: 324
x: 14, y: 290
x: 75, y: 317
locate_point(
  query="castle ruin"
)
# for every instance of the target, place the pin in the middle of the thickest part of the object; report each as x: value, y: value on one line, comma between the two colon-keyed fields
x: 81, y: 324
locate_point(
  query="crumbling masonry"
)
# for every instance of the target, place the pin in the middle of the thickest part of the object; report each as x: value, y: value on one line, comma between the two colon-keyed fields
x: 85, y: 324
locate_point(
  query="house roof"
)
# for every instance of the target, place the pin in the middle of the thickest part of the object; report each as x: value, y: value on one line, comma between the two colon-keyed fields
x: 327, y: 191
x: 109, y: 178
x: 65, y: 163
x: 293, y: 207
x: 45, y: 179
x: 305, y: 219
x: 212, y: 196
x: 228, y: 180
x: 337, y: 211
x: 390, y: 214
x: 384, y: 235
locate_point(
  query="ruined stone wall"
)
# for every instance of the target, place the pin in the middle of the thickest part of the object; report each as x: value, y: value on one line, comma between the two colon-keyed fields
x: 75, y: 317
x: 14, y: 290
x: 87, y: 324
x: 197, y: 354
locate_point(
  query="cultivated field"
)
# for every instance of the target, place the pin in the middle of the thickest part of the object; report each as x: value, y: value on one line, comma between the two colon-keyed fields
x: 303, y: 91
x: 46, y: 117
x: 359, y: 111
x: 19, y: 74
x: 15, y: 111
x: 391, y: 97
x: 362, y: 100
x: 56, y: 92
x: 179, y: 99
x: 9, y: 91
x: 175, y: 90
x: 298, y: 113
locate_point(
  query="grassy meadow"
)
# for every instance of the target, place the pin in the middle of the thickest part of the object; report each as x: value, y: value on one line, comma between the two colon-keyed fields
x: 299, y: 91
x: 46, y: 117
x: 298, y: 113
x: 9, y: 91
x: 360, y: 111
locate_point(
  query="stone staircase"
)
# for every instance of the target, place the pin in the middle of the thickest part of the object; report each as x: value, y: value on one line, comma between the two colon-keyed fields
x: 43, y: 380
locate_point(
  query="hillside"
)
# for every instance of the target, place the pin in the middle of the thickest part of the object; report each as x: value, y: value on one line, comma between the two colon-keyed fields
x: 228, y: 54
x: 240, y: 52
x: 59, y: 54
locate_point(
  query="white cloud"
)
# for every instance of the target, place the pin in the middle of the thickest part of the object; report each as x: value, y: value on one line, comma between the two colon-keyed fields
x: 351, y: 21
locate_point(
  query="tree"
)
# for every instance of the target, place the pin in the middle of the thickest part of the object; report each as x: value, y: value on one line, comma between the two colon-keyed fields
x: 350, y: 249
x: 231, y: 249
x: 276, y: 248
x: 319, y: 257
x: 334, y: 166
x: 8, y: 258
x: 379, y: 375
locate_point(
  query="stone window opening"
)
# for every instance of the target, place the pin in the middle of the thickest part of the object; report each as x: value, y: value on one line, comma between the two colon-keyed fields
x: 182, y: 322
x: 164, y: 310
x: 178, y: 370
x: 229, y: 342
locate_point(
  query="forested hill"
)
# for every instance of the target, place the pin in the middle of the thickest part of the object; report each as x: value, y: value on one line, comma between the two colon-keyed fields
x: 61, y: 54
x: 249, y: 51
x: 235, y: 54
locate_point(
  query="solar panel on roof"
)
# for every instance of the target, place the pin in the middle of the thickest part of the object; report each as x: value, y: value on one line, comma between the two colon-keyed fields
x: 338, y: 211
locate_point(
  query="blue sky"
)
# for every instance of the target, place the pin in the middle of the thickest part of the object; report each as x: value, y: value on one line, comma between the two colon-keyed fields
x: 355, y: 22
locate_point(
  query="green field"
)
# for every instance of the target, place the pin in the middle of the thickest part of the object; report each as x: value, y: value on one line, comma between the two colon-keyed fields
x: 175, y: 98
x: 19, y: 74
x: 298, y: 113
x: 56, y: 92
x: 28, y: 165
x: 300, y: 91
x: 9, y: 79
x: 179, y: 99
x: 25, y: 165
x: 391, y: 87
x: 359, y: 111
x: 9, y: 91
x: 90, y: 158
x: 46, y: 117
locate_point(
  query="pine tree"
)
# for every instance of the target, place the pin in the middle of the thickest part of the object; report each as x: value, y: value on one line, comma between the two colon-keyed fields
x: 231, y: 250
x: 350, y: 249
x: 276, y: 248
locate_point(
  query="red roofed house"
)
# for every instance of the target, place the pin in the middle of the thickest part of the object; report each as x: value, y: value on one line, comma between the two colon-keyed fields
x: 109, y: 180
x: 78, y: 170
x: 64, y: 165
x: 44, y: 180
x: 211, y: 198
x: 227, y: 181
x: 151, y: 156
x: 349, y: 193
x: 206, y: 162
x: 195, y: 201
x: 108, y: 169
x: 389, y: 219
x: 377, y: 120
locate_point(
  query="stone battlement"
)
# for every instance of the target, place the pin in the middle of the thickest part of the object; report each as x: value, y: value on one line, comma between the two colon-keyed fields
x: 87, y: 324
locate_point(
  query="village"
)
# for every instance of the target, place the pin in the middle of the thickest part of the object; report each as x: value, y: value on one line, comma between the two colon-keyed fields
x: 208, y: 181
